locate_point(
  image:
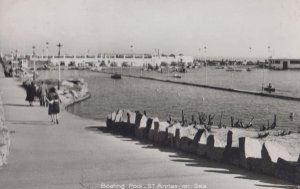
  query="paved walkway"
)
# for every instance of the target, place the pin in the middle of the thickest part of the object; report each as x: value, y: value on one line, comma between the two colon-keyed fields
x: 78, y: 153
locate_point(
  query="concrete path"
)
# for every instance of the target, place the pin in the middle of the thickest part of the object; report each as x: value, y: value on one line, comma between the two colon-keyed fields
x: 78, y: 153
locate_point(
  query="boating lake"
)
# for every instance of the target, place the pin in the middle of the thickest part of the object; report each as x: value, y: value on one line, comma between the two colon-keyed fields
x: 159, y: 99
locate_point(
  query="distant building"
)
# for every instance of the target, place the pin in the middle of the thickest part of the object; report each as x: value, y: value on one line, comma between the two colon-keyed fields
x: 109, y: 59
x: 24, y: 62
x: 284, y: 64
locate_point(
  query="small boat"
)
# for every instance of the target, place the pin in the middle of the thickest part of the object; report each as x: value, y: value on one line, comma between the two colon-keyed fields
x: 177, y: 76
x: 249, y: 69
x: 269, y: 89
x: 238, y: 69
x: 116, y: 76
x: 229, y: 69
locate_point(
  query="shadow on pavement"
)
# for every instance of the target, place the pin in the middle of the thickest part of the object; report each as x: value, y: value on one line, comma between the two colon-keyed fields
x: 196, y: 161
x: 35, y: 123
x: 18, y: 105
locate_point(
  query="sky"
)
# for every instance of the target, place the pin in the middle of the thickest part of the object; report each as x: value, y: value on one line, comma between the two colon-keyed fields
x: 227, y: 28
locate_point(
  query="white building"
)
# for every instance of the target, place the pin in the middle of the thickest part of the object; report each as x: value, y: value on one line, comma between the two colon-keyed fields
x: 137, y: 60
x: 283, y: 64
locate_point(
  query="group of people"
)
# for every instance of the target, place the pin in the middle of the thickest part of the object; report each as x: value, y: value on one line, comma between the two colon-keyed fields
x: 47, y: 98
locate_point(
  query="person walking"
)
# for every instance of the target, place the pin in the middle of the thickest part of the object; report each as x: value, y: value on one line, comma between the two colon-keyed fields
x: 43, y: 90
x: 53, y: 105
x: 30, y: 93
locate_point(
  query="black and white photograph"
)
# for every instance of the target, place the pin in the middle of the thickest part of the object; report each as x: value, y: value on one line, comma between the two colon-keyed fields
x: 149, y: 94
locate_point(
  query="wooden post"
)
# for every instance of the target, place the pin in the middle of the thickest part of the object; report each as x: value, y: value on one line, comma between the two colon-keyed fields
x: 220, y: 123
x: 182, y: 117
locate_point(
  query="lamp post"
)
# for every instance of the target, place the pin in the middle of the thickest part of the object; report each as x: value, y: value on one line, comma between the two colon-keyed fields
x: 205, y: 65
x: 131, y: 49
x: 199, y: 57
x: 47, y: 53
x: 33, y: 55
x: 263, y: 83
x: 58, y: 84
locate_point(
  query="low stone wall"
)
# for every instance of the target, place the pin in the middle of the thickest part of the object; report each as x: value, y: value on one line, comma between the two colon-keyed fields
x: 4, y: 137
x: 232, y: 146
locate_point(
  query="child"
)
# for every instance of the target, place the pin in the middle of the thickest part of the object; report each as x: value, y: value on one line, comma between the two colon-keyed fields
x: 53, y: 108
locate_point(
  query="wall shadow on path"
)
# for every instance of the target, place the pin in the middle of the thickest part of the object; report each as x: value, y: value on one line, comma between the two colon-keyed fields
x: 30, y: 123
x: 195, y: 161
x: 17, y: 105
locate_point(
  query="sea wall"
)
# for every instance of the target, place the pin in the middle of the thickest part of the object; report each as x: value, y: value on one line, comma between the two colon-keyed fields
x: 271, y: 95
x: 4, y: 137
x: 71, y: 90
x: 235, y: 146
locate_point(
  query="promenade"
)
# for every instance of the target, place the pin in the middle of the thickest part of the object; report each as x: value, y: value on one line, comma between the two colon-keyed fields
x: 79, y: 153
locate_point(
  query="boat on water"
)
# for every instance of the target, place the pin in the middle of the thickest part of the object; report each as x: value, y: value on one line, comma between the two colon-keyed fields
x: 233, y: 69
x: 177, y: 76
x: 249, y: 69
x: 238, y: 69
x: 269, y: 88
x: 116, y: 76
x: 229, y: 69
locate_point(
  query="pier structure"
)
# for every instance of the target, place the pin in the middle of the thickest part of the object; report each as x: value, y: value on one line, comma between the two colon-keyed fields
x: 108, y: 59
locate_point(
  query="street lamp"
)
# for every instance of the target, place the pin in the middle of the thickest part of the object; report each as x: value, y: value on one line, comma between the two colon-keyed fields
x: 58, y: 84
x: 33, y: 55
x: 205, y: 65
x: 47, y: 53
x: 131, y: 49
x: 263, y: 83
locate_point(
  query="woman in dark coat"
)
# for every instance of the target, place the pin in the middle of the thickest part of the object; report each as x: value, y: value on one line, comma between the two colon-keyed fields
x: 53, y: 108
x: 30, y: 93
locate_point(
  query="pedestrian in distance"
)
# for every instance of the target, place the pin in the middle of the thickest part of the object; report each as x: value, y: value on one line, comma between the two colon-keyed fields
x: 53, y: 105
x: 43, y: 90
x: 30, y: 93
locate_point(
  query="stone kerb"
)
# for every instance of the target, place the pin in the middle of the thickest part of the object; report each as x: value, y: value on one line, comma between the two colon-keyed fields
x: 270, y: 153
x: 231, y: 154
x: 171, y: 139
x: 215, y: 148
x: 118, y: 120
x: 109, y: 121
x: 155, y: 121
x: 297, y: 177
x: 202, y: 147
x: 219, y: 145
x: 187, y: 136
x: 132, y: 118
x: 141, y: 126
x: 161, y: 135
x: 193, y: 147
x: 138, y: 118
x: 148, y: 128
x: 125, y: 122
x: 113, y: 117
x: 287, y: 170
x: 250, y: 153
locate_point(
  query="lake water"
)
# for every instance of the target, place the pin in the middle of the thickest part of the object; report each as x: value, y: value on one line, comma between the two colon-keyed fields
x: 160, y: 99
